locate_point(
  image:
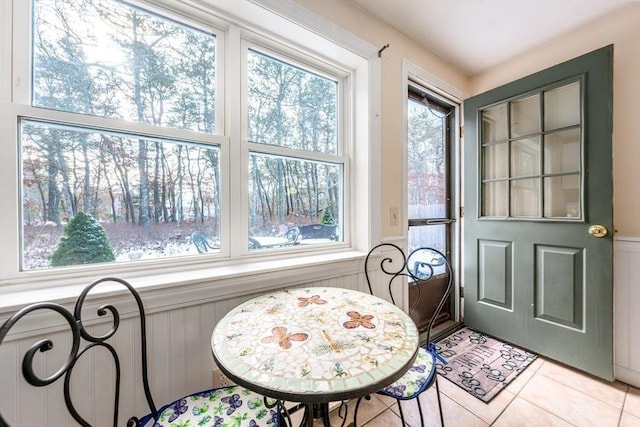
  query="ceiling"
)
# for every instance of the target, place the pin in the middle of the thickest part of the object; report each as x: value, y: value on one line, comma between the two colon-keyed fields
x: 474, y: 35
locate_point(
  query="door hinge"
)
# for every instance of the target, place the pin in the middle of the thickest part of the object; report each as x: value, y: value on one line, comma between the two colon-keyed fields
x: 462, y: 212
x: 461, y: 131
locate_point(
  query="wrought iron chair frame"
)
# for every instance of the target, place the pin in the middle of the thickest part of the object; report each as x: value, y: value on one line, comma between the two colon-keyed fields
x: 400, y: 272
x: 80, y: 347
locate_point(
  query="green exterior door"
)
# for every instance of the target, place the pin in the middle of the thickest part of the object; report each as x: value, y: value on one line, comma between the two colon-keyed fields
x: 538, y: 271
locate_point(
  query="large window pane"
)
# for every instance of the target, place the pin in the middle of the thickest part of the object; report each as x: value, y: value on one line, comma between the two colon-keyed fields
x: 149, y: 195
x: 109, y: 59
x: 290, y: 107
x: 286, y: 193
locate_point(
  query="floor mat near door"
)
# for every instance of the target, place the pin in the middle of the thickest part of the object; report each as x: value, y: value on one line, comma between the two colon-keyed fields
x: 481, y: 365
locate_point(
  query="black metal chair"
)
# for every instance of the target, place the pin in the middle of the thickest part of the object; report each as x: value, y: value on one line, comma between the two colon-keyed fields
x: 212, y: 407
x: 417, y: 271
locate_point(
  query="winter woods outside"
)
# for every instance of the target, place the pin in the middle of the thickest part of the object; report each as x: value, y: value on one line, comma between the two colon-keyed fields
x: 426, y: 180
x: 139, y: 146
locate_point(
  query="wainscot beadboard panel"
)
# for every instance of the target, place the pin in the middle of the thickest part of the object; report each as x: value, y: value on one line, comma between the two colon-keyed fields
x: 179, y: 347
x: 627, y: 310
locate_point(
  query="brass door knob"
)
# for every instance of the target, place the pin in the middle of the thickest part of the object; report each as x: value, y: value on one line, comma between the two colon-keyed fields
x: 598, y: 230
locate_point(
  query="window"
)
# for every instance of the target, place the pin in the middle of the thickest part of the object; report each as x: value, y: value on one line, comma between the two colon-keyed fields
x: 531, y: 155
x: 145, y: 187
x: 126, y: 120
x: 292, y: 129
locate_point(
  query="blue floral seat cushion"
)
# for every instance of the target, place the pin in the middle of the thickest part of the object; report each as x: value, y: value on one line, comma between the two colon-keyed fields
x: 222, y: 407
x: 416, y: 380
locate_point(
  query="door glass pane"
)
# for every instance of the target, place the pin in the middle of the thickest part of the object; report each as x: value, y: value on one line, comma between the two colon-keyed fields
x: 525, y: 116
x: 430, y: 121
x: 495, y: 161
x: 433, y: 236
x: 494, y: 124
x: 562, y: 107
x: 562, y: 196
x: 426, y: 161
x: 525, y: 157
x: 562, y: 151
x: 494, y: 198
x: 525, y: 198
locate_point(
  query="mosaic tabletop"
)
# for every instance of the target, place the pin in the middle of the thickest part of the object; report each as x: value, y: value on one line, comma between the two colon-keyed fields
x: 315, y: 344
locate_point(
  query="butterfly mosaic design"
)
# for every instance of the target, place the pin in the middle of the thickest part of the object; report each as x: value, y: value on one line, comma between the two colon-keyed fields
x: 280, y: 335
x: 332, y: 345
x: 358, y: 319
x: 314, y: 299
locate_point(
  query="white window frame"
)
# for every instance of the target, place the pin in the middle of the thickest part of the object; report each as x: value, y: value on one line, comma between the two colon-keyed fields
x: 261, y: 21
x: 261, y: 45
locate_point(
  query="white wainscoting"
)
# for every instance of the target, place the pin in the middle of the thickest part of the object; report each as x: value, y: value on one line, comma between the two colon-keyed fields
x: 627, y: 309
x: 180, y: 352
x: 180, y: 360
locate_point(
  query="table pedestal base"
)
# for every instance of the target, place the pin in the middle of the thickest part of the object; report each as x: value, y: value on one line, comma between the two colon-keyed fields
x: 312, y: 412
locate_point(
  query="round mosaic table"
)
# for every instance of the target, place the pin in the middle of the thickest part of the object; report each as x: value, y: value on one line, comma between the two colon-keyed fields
x: 315, y: 345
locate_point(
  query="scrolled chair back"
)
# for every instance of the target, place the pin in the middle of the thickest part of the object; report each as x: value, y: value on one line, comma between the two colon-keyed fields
x: 82, y: 342
x: 420, y: 267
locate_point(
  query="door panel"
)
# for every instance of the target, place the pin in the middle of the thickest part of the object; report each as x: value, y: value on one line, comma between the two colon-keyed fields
x: 559, y: 288
x: 538, y: 175
x: 495, y: 286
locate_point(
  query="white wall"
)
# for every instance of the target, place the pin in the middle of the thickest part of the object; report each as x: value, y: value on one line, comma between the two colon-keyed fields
x: 355, y: 20
x: 621, y: 28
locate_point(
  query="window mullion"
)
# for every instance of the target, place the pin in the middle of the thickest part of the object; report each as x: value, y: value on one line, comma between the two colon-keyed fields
x: 117, y: 126
x: 290, y: 152
x: 236, y: 185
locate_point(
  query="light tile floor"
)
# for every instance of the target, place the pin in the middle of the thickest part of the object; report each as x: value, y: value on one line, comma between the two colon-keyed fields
x: 545, y: 394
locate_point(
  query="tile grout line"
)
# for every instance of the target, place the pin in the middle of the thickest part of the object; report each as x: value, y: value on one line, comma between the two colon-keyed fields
x: 624, y: 404
x: 515, y: 395
x: 560, y: 416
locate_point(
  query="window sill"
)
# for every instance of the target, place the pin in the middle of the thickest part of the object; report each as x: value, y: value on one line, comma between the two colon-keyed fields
x: 163, y: 291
